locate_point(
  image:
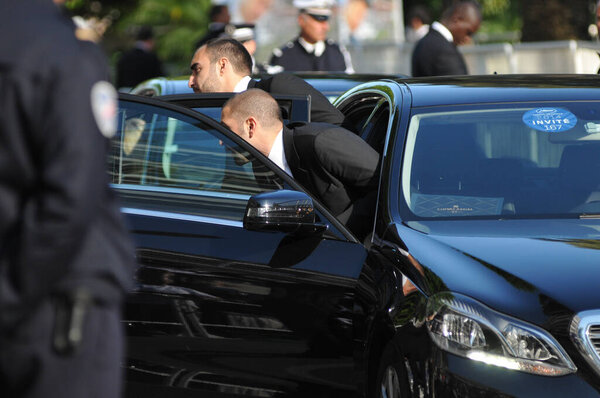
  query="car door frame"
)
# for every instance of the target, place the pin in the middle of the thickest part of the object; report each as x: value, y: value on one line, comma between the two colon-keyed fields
x: 340, y: 232
x: 157, y: 101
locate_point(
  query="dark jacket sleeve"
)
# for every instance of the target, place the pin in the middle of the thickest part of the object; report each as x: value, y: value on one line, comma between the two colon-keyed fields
x: 322, y: 110
x: 349, y: 159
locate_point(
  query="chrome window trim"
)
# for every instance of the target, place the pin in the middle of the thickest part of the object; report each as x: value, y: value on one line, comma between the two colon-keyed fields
x: 581, y: 336
x: 180, y: 216
x: 181, y: 191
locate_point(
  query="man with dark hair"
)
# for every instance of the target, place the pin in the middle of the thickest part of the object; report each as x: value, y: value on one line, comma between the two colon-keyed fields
x: 436, y: 54
x: 66, y: 259
x: 224, y: 65
x: 139, y: 63
x: 334, y: 164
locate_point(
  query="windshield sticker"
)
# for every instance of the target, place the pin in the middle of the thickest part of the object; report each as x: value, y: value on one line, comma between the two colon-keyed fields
x: 552, y: 120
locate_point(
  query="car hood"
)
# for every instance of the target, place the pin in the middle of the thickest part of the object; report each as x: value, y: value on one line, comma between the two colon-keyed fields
x: 531, y: 269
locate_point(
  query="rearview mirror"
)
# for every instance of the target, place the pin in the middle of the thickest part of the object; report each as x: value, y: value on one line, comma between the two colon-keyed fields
x: 283, y: 211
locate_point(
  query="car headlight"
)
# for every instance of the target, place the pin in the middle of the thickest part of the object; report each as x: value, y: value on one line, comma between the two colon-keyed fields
x: 462, y: 326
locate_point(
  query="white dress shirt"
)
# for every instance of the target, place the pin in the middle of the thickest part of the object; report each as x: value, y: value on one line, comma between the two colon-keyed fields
x: 242, y: 85
x: 318, y: 48
x: 277, y: 154
x: 443, y: 30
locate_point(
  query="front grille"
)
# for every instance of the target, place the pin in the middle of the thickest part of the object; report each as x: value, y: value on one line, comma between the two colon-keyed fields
x: 585, y: 333
x: 594, y: 336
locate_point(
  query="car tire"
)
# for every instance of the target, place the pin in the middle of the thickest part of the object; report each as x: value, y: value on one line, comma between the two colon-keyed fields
x: 391, y: 379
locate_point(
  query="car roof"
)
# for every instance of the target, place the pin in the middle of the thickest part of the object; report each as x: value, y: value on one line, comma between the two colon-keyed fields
x: 455, y: 90
x: 330, y: 84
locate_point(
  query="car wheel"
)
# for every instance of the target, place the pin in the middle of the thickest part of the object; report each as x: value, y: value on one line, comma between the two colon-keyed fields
x: 391, y: 378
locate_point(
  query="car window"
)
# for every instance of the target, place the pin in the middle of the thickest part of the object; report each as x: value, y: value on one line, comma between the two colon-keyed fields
x: 360, y: 111
x: 375, y: 127
x: 157, y: 148
x: 515, y: 160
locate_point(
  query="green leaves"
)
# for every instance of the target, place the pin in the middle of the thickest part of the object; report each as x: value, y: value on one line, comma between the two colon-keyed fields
x: 178, y: 25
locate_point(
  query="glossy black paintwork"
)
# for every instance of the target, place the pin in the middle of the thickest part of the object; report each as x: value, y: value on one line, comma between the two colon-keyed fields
x: 215, y: 314
x: 234, y: 318
x: 543, y: 271
x: 449, y: 90
x: 330, y: 84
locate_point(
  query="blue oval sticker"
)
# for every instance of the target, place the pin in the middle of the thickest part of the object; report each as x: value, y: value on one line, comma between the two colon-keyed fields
x: 552, y: 120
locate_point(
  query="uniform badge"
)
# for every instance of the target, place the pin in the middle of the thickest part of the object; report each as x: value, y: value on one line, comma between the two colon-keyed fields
x: 104, y: 107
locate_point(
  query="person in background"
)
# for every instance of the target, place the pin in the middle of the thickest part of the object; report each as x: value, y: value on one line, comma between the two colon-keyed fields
x: 219, y: 17
x: 417, y: 23
x: 332, y: 163
x: 224, y: 65
x: 311, y: 50
x: 437, y: 54
x: 66, y: 258
x: 244, y: 33
x: 139, y: 63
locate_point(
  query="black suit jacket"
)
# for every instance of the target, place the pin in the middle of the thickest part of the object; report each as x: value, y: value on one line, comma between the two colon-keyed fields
x: 284, y: 83
x: 336, y: 166
x: 435, y: 56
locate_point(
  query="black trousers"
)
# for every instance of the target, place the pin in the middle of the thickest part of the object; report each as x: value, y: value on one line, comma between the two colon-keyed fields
x: 30, y: 367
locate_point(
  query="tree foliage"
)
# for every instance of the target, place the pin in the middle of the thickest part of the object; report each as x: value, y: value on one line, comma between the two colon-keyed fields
x: 178, y: 24
x: 545, y: 20
x: 537, y: 20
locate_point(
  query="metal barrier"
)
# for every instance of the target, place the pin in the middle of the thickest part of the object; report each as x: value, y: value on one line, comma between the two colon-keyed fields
x: 539, y: 57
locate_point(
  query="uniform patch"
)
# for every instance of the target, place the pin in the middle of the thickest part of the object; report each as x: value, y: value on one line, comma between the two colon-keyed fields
x: 103, y: 98
x: 551, y: 120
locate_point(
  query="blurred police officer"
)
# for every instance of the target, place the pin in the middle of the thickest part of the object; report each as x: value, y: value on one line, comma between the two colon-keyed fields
x: 311, y: 50
x: 65, y: 257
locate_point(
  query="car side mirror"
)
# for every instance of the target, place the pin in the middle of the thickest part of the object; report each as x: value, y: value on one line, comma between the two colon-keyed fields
x: 283, y: 211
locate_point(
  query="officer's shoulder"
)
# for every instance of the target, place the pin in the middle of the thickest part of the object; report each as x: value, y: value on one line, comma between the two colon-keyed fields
x: 278, y: 52
x: 332, y: 43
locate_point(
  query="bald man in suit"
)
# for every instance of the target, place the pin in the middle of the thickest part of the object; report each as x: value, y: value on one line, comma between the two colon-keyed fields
x: 335, y: 165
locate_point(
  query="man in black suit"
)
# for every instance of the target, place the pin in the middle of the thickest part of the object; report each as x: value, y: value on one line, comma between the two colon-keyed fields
x: 335, y: 165
x: 139, y: 63
x: 224, y: 65
x: 436, y: 54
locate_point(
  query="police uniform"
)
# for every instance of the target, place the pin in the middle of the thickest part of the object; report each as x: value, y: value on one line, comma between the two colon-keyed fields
x: 300, y: 55
x: 294, y: 56
x: 65, y: 256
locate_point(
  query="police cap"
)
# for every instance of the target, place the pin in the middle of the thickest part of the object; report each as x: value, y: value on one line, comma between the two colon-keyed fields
x: 318, y: 9
x: 240, y: 32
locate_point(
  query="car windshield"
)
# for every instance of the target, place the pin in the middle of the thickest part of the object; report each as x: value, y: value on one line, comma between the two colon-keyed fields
x: 511, y: 160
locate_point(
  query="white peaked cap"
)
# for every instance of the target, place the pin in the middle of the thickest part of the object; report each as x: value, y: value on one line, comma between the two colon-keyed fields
x: 317, y: 7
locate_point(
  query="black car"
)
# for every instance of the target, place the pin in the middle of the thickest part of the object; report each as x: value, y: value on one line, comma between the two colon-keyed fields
x: 332, y: 85
x: 480, y: 278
